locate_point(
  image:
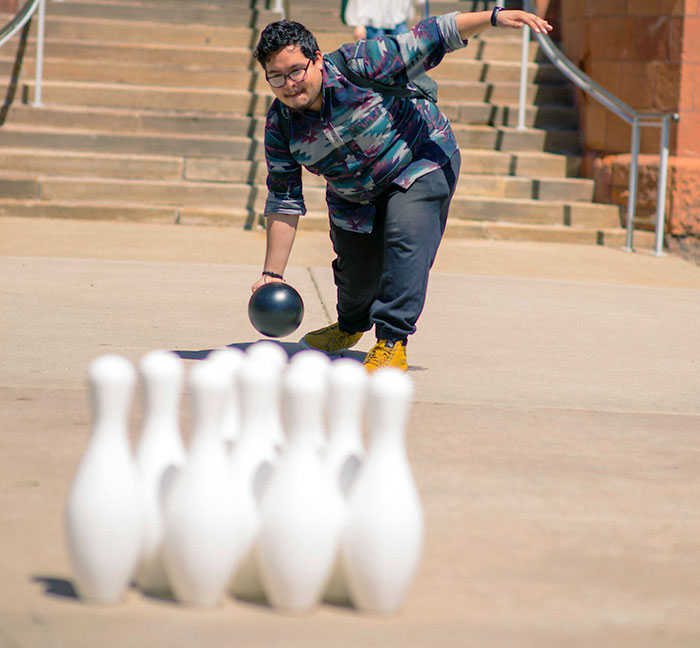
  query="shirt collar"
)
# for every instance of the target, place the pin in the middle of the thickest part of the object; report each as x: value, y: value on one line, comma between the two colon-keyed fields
x: 331, y: 76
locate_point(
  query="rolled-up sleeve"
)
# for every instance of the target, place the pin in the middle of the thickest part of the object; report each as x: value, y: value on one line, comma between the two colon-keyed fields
x: 285, y: 195
x: 450, y: 33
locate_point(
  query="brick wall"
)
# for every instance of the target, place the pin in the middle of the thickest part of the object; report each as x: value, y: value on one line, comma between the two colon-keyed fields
x: 647, y: 52
x: 8, y: 6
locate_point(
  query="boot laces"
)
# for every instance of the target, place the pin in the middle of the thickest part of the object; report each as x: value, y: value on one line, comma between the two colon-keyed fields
x: 380, y: 355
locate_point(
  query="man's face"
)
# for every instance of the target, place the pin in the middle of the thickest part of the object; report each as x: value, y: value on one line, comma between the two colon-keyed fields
x: 297, y: 95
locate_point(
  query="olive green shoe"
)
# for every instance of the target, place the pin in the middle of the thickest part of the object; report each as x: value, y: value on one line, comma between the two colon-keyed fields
x: 386, y: 353
x: 330, y: 339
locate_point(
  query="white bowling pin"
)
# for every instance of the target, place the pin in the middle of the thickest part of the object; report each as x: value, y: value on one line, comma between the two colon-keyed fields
x: 253, y: 458
x: 318, y: 364
x: 383, y: 537
x: 158, y: 452
x: 200, y: 523
x: 103, y: 510
x: 347, y: 387
x: 301, y: 511
x: 273, y: 358
x: 231, y: 360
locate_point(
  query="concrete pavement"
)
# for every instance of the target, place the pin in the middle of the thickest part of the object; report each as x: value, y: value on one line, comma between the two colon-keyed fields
x: 554, y: 434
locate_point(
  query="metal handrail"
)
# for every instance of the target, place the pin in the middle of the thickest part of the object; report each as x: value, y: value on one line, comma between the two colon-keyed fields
x: 633, y: 117
x: 20, y: 19
x: 23, y: 16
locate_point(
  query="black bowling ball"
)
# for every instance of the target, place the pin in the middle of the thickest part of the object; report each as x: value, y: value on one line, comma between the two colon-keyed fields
x: 276, y: 309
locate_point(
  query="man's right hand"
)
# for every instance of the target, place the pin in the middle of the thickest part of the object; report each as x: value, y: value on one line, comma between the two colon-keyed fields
x: 263, y: 280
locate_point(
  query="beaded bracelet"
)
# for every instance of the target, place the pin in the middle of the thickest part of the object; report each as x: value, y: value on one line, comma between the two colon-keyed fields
x: 267, y: 273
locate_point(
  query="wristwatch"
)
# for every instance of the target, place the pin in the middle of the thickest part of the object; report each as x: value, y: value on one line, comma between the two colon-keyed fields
x: 494, y: 16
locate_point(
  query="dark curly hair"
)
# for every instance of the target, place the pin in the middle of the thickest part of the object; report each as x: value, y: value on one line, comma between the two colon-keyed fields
x: 280, y: 34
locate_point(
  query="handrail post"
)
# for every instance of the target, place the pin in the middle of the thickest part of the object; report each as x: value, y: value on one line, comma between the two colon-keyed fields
x: 632, y: 197
x: 39, y: 65
x: 661, y: 190
x: 282, y: 8
x: 524, y: 57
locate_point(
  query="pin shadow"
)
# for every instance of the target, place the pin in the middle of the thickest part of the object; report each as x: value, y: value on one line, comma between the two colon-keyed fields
x: 56, y: 586
x: 290, y: 348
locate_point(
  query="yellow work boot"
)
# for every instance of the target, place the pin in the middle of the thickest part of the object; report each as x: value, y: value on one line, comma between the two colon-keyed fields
x: 330, y: 339
x: 386, y: 353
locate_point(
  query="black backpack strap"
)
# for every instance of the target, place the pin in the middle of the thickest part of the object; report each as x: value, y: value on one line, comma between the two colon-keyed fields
x: 282, y: 118
x: 364, y: 82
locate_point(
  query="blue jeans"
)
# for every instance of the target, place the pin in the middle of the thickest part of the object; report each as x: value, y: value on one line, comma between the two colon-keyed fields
x: 376, y: 32
x: 382, y: 276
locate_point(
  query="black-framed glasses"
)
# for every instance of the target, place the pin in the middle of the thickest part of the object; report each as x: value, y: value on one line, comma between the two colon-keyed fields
x: 278, y: 80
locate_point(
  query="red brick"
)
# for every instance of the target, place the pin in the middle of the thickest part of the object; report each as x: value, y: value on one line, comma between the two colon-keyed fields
x: 687, y: 91
x: 688, y: 142
x: 650, y: 141
x: 692, y: 7
x: 691, y: 40
x: 603, y: 8
x: 595, y: 37
x: 574, y: 9
x: 673, y: 7
x: 619, y: 38
x: 618, y: 134
x: 609, y: 74
x: 637, y: 85
x: 666, y: 85
x: 595, y: 126
x: 643, y: 7
x: 652, y: 38
x: 675, y: 35
x: 693, y: 71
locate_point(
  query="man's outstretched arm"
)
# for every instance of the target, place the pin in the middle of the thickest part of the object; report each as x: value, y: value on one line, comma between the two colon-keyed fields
x: 474, y: 22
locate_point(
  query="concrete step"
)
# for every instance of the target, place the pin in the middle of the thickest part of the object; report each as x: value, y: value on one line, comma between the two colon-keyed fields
x: 122, y: 211
x: 232, y: 12
x: 541, y: 188
x: 156, y: 192
x: 503, y: 92
x: 76, y: 93
x: 175, y: 192
x: 227, y: 57
x: 136, y: 73
x: 476, y: 162
x: 115, y: 31
x: 451, y: 69
x: 501, y: 49
x: 40, y: 162
x: 133, y: 121
x: 475, y: 196
x: 562, y: 117
x: 503, y: 138
x: 483, y: 172
x: 232, y: 147
x: 505, y: 231
x: 537, y: 212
